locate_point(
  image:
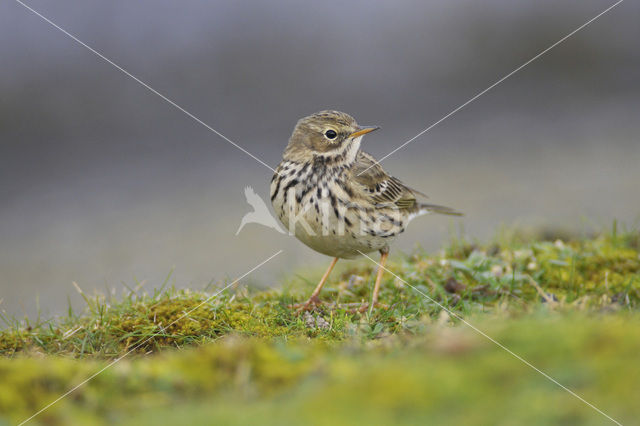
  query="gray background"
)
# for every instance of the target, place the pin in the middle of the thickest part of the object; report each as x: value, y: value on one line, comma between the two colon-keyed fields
x: 102, y: 181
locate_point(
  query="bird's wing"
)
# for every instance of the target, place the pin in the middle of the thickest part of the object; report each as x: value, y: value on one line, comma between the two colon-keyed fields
x: 380, y: 187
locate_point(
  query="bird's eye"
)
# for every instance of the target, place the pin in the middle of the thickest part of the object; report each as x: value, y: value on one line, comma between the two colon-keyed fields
x: 330, y: 134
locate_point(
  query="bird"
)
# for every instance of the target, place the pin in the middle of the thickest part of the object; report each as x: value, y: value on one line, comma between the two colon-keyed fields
x: 338, y: 200
x: 260, y: 213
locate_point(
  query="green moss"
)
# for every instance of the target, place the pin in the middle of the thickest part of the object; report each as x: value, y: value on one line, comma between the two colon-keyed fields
x: 446, y: 375
x: 569, y: 307
x: 601, y: 272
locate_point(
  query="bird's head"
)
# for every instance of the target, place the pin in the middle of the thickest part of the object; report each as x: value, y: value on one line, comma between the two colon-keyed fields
x: 326, y: 134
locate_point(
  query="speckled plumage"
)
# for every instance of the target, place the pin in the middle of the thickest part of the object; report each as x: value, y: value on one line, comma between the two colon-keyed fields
x: 319, y: 184
x: 336, y: 198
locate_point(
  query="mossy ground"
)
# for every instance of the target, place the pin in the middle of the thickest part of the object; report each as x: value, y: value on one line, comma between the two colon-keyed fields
x: 569, y: 307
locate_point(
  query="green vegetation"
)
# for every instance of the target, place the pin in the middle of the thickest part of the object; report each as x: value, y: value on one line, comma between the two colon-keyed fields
x: 570, y: 307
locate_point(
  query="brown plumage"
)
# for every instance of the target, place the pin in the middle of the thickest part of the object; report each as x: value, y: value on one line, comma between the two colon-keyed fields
x: 336, y: 198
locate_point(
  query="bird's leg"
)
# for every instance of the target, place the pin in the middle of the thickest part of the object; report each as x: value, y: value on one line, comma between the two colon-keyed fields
x: 313, y: 299
x: 376, y: 287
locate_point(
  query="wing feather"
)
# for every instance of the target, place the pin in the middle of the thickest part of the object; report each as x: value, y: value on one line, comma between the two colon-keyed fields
x: 380, y: 187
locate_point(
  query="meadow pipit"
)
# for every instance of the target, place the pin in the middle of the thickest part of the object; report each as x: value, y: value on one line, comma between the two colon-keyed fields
x: 337, y: 199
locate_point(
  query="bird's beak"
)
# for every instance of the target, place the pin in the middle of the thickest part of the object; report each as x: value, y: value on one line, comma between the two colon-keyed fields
x: 363, y: 131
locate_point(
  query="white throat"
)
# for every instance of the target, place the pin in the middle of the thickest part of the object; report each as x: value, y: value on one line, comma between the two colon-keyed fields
x: 352, y: 149
x: 349, y: 151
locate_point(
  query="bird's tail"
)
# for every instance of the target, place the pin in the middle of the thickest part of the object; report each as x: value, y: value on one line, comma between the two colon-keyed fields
x: 434, y: 208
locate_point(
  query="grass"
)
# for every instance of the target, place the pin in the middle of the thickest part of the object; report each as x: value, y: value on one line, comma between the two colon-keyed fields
x: 570, y: 307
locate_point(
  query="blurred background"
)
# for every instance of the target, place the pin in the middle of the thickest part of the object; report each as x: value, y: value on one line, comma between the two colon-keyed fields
x: 103, y: 182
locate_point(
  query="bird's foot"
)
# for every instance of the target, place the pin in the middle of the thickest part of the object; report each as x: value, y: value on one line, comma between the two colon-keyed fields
x: 309, y: 305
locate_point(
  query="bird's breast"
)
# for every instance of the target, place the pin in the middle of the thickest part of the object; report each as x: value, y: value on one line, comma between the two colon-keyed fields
x: 323, y: 212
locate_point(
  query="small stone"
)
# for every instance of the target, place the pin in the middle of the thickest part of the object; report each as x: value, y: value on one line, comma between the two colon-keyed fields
x: 321, y: 323
x: 454, y: 286
x: 309, y: 320
x: 455, y: 299
x: 315, y: 322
